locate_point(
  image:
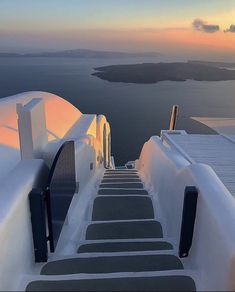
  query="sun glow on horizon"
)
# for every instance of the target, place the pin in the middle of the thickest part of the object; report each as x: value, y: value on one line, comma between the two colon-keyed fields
x: 132, y: 25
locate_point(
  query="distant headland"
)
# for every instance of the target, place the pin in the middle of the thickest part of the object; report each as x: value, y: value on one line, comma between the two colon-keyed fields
x: 149, y: 73
x: 80, y: 53
x: 214, y: 64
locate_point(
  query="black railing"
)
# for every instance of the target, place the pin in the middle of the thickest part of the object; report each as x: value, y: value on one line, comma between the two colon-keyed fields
x: 51, y: 205
x: 188, y: 220
x: 61, y: 187
x: 38, y: 220
x: 174, y: 114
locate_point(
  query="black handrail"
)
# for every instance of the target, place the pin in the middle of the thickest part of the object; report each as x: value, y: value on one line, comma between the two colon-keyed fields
x: 38, y: 221
x: 53, y: 202
x: 61, y: 182
x: 188, y: 220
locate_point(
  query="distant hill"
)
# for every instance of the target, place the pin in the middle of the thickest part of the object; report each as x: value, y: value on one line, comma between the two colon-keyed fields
x: 214, y: 64
x: 81, y: 53
x: 156, y: 72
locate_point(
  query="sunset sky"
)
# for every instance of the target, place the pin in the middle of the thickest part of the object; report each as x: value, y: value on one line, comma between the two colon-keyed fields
x: 199, y: 27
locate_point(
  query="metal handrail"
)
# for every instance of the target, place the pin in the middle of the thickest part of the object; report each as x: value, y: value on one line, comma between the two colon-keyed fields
x: 61, y: 183
x: 174, y: 115
x: 50, y: 184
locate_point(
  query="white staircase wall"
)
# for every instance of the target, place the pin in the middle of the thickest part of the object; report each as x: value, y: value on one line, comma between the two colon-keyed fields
x: 17, y: 253
x: 212, y: 256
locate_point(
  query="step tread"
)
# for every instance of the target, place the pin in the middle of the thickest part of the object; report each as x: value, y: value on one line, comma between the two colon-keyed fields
x: 112, y: 264
x: 120, y: 170
x: 120, y: 180
x: 133, y: 185
x: 124, y: 246
x: 121, y: 176
x: 122, y: 208
x: 159, y: 283
x: 122, y: 192
x: 124, y: 230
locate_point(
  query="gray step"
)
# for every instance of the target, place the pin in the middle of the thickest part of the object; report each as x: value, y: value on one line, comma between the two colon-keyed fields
x: 121, y: 172
x: 122, y: 208
x: 124, y: 246
x: 119, y: 192
x: 124, y: 230
x: 160, y: 283
x: 112, y: 264
x: 122, y: 186
x: 120, y: 180
x: 121, y: 176
x: 121, y: 169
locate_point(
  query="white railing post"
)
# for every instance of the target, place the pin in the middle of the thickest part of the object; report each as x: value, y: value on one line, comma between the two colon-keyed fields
x: 32, y: 128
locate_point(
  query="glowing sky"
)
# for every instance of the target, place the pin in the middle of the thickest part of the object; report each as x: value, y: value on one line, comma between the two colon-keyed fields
x: 126, y: 25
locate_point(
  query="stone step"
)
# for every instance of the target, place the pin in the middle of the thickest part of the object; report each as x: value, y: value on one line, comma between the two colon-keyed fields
x: 121, y: 172
x: 122, y: 208
x: 124, y: 246
x: 120, y: 180
x: 112, y: 264
x: 121, y: 192
x: 121, y: 186
x: 121, y: 169
x: 124, y: 230
x: 159, y: 283
x: 121, y: 176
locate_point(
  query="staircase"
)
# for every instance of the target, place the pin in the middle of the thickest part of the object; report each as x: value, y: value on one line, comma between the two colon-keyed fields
x: 124, y: 248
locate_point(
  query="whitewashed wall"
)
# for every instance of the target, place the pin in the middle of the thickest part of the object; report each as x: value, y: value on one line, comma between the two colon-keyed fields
x: 63, y: 122
x: 212, y: 256
x: 60, y: 117
x: 17, y: 255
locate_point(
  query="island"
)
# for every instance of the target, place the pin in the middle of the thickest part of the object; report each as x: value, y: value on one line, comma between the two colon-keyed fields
x: 149, y: 73
x: 214, y: 64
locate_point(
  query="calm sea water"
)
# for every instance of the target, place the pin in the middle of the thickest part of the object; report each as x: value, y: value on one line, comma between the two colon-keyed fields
x: 135, y: 111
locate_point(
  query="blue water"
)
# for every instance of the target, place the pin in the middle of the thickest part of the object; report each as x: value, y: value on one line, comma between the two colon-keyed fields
x: 135, y: 111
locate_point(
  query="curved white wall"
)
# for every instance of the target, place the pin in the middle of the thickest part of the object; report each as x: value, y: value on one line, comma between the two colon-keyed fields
x: 102, y: 128
x: 212, y: 255
x: 63, y: 122
x: 60, y: 118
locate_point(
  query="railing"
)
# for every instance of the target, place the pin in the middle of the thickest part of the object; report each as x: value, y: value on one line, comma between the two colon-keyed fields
x: 61, y: 187
x: 188, y: 220
x: 55, y: 199
x: 174, y: 114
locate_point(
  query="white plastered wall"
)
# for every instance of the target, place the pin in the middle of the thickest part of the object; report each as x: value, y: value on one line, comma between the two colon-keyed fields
x: 212, y: 256
x: 17, y: 255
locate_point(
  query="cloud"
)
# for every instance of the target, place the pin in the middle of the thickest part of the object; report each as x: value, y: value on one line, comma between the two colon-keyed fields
x: 201, y: 25
x: 230, y: 29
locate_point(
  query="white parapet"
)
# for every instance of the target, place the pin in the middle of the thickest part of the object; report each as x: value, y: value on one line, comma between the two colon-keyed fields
x: 32, y: 128
x: 86, y: 125
x: 166, y: 171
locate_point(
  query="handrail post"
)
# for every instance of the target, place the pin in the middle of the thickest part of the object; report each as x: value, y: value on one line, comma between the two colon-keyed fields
x: 188, y: 220
x: 174, y: 114
x: 38, y: 220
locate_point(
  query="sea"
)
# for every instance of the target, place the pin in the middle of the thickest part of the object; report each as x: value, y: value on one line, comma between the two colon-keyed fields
x: 135, y: 111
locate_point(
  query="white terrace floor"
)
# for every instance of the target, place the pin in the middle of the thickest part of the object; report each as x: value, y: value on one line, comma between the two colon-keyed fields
x: 216, y: 151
